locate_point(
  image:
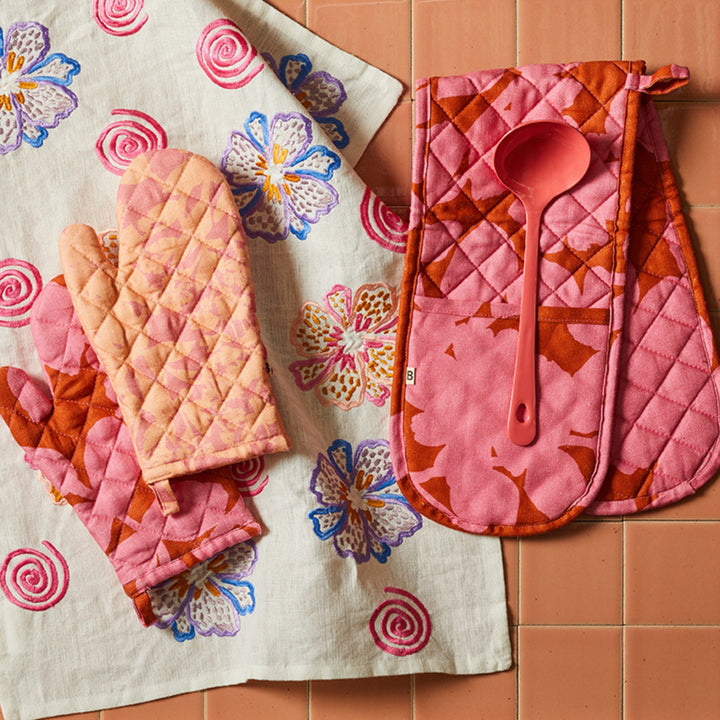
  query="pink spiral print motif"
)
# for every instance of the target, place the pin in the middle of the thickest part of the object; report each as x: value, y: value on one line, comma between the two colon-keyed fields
x: 122, y: 141
x: 226, y: 55
x: 249, y: 476
x: 381, y: 224
x: 20, y: 284
x: 34, y: 581
x: 401, y: 626
x: 119, y: 17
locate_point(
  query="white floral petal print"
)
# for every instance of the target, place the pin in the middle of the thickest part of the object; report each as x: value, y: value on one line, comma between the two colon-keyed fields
x: 381, y: 358
x: 294, y: 67
x: 27, y: 40
x: 308, y: 372
x: 317, y: 164
x: 314, y: 331
x: 340, y: 452
x: 240, y: 560
x: 377, y: 304
x: 373, y: 458
x: 292, y: 132
x: 183, y: 627
x: 47, y: 104
x: 242, y: 593
x: 323, y: 96
x: 240, y: 162
x: 339, y: 300
x: 392, y: 520
x: 352, y: 540
x: 256, y: 127
x: 327, y: 485
x: 214, y: 613
x: 298, y: 226
x: 166, y: 602
x: 55, y: 67
x: 267, y: 218
x: 326, y: 521
x: 376, y: 392
x: 343, y: 386
x: 311, y: 198
x: 10, y: 138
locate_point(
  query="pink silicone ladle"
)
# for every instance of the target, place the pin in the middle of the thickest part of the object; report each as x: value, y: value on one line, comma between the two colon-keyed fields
x: 537, y: 161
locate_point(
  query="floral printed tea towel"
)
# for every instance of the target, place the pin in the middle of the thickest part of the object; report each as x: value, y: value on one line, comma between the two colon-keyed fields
x: 347, y: 579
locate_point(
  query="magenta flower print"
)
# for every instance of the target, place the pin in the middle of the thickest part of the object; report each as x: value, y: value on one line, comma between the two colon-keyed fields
x: 34, y: 96
x: 361, y: 507
x: 209, y: 598
x: 347, y: 345
x: 320, y: 93
x: 280, y: 181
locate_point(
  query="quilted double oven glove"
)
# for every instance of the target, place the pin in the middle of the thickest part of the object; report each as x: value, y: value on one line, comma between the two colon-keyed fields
x: 175, y: 324
x: 77, y: 439
x: 628, y: 413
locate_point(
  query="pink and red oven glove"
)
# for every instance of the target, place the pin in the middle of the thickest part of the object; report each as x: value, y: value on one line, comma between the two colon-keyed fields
x: 627, y: 372
x: 140, y: 441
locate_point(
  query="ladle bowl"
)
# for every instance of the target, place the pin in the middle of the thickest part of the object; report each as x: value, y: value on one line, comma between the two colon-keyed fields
x: 537, y: 161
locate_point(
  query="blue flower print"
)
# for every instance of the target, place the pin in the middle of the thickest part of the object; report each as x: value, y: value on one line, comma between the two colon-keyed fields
x: 34, y: 96
x: 320, y: 93
x: 361, y: 506
x: 280, y: 180
x: 209, y: 598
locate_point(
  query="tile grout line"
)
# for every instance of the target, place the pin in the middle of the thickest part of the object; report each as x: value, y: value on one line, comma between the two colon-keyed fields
x: 622, y: 618
x: 519, y: 621
x: 411, y: 29
x: 517, y: 34
x: 664, y: 625
x: 412, y: 697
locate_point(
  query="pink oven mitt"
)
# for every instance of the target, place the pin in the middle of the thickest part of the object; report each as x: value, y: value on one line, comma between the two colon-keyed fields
x: 175, y: 323
x: 76, y: 438
x: 616, y: 308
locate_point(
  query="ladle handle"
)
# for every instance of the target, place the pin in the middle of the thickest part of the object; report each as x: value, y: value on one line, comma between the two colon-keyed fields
x: 522, y: 418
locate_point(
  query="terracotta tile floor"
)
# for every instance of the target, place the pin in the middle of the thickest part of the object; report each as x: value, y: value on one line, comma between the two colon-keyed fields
x: 613, y: 619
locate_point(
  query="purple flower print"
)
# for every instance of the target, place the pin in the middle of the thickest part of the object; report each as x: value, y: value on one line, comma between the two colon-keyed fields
x: 361, y: 506
x: 320, y: 93
x: 209, y: 598
x: 33, y: 86
x: 280, y: 180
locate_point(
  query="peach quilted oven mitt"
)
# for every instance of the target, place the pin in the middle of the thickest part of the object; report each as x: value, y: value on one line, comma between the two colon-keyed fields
x: 175, y: 323
x: 628, y: 413
x: 77, y: 439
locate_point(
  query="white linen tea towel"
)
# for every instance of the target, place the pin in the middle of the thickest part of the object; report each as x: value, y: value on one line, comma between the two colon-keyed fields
x: 347, y: 579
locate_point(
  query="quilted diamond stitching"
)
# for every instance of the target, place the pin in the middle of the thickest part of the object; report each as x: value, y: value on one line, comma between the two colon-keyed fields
x: 629, y: 424
x: 52, y: 430
x: 155, y: 380
x: 483, y: 157
x: 212, y: 336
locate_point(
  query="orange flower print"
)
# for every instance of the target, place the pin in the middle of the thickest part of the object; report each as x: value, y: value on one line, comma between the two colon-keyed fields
x: 347, y: 345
